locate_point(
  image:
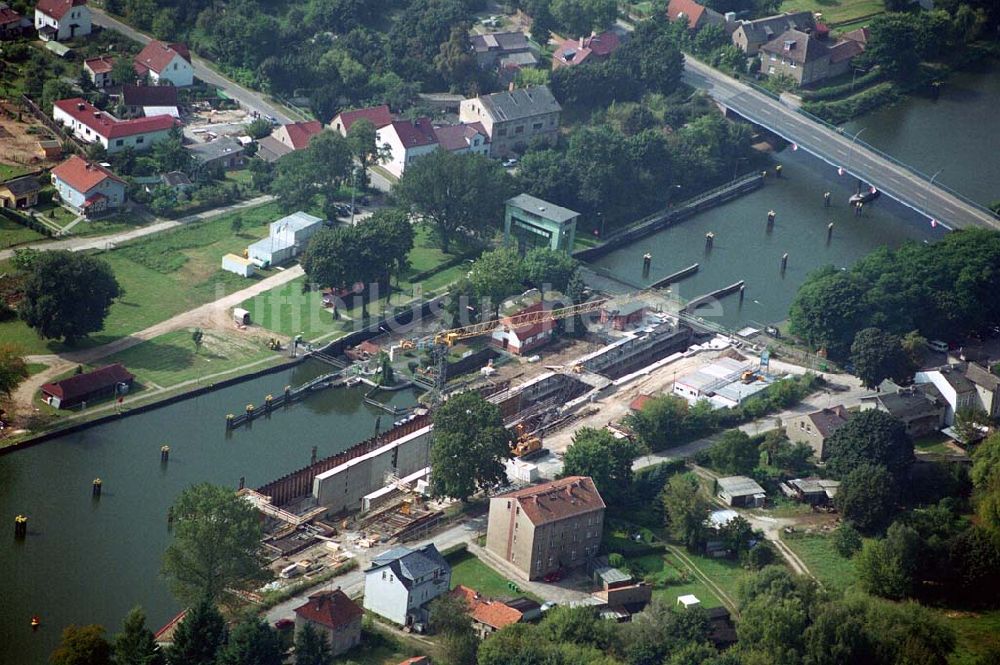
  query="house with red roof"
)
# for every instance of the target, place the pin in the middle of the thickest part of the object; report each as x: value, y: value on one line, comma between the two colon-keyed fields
x: 288, y: 138
x: 60, y: 20
x: 103, y: 382
x: 696, y: 15
x: 12, y: 24
x: 98, y: 70
x: 464, y: 138
x: 165, y: 63
x: 596, y: 48
x: 488, y: 615
x: 406, y: 141
x: 379, y: 116
x: 334, y: 616
x: 541, y: 529
x: 92, y: 125
x: 87, y: 187
x: 519, y: 338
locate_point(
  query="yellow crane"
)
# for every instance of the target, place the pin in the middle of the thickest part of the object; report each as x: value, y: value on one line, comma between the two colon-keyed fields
x: 450, y: 337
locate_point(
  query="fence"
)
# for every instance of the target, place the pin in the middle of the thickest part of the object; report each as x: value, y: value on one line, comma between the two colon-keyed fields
x: 60, y: 131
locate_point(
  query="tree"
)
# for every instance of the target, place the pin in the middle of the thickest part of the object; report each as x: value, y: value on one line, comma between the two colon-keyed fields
x: 495, y: 276
x: 450, y: 619
x: 197, y: 337
x: 53, y: 90
x: 734, y: 454
x: 311, y: 648
x: 894, y: 44
x: 913, y: 345
x: 236, y: 225
x: 216, y: 544
x: 13, y: 369
x: 456, y: 63
x: 548, y: 268
x: 198, y: 637
x: 660, y: 423
x: 867, y: 497
x: 970, y: 424
x: 123, y: 71
x: 685, y: 509
x: 86, y: 289
x: 363, y: 142
x: 135, y: 645
x: 878, y: 355
x: 469, y: 447
x: 828, y: 309
x: 596, y: 453
x: 456, y: 191
x: 252, y: 642
x: 82, y: 645
x: 887, y: 567
x: 579, y: 17
x: 169, y: 154
x: 846, y: 540
x: 869, y: 437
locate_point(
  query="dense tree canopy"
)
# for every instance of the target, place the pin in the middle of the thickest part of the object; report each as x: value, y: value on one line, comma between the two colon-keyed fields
x: 82, y: 645
x: 13, y: 369
x: 606, y: 459
x: 199, y: 636
x: 867, y: 497
x: 877, y: 356
x: 136, y: 645
x: 685, y: 509
x: 469, y: 448
x: 869, y: 437
x: 68, y: 295
x: 734, y: 453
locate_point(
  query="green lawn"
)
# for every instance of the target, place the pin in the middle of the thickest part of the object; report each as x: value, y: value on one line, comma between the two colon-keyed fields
x: 35, y: 368
x: 934, y: 443
x: 978, y: 636
x: 468, y: 570
x: 670, y: 579
x: 817, y: 552
x: 164, y: 275
x: 172, y: 358
x: 106, y: 225
x: 8, y: 171
x: 835, y: 11
x: 380, y: 647
x: 12, y: 233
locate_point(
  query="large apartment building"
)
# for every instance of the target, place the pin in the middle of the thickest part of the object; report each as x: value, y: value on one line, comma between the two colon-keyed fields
x: 514, y: 118
x: 543, y: 528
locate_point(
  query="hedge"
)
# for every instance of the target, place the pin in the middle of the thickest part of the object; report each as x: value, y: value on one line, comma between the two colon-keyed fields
x: 454, y: 551
x: 835, y: 91
x: 28, y: 222
x: 838, y: 112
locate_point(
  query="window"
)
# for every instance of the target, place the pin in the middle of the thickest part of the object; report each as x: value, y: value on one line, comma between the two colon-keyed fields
x: 502, y: 131
x: 519, y: 129
x: 140, y: 139
x: 383, y: 574
x: 120, y: 142
x: 536, y: 126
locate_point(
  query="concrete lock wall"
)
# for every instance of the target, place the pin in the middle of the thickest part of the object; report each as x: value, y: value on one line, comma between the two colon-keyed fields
x: 341, y: 488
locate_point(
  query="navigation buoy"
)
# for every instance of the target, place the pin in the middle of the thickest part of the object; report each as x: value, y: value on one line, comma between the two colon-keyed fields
x: 229, y: 420
x: 770, y: 217
x: 96, y: 487
x: 795, y: 146
x: 934, y: 223
x: 21, y: 527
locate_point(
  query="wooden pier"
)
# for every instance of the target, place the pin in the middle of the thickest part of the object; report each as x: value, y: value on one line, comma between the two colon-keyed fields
x: 675, y: 277
x: 714, y: 295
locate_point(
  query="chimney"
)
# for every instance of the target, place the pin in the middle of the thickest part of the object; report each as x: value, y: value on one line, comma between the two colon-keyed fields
x: 581, y: 42
x: 510, y: 87
x: 80, y: 106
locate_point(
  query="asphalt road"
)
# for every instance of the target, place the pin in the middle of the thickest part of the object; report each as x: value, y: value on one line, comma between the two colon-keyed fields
x: 838, y: 149
x: 250, y: 100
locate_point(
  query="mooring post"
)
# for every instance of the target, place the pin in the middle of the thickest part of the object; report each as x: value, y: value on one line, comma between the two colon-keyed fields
x: 826, y: 199
x: 709, y: 240
x: 21, y: 527
x: 770, y: 219
x: 784, y: 262
x: 647, y: 262
x: 312, y: 458
x: 164, y: 454
x: 829, y: 231
x: 777, y: 170
x: 96, y: 488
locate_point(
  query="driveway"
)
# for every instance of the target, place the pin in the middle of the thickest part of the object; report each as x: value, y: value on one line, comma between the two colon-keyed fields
x: 251, y: 100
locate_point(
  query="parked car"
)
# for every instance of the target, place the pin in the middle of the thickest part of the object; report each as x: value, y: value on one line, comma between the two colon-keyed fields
x: 509, y: 162
x: 937, y: 346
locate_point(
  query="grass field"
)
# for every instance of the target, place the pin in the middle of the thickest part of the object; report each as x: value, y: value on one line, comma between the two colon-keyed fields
x: 8, y: 171
x: 164, y: 275
x: 12, y: 233
x: 170, y: 359
x: 671, y: 579
x: 934, y: 443
x: 835, y: 11
x: 978, y: 636
x: 833, y: 570
x: 379, y: 647
x: 468, y: 570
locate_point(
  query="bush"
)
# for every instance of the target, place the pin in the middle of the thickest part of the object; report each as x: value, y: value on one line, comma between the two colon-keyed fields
x: 838, y: 112
x: 846, y: 540
x: 835, y: 91
x: 761, y: 555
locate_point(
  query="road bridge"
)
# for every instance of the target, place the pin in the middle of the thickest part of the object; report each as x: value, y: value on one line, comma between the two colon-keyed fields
x: 846, y: 152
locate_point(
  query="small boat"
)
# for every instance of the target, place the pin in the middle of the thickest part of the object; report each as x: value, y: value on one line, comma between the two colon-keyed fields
x: 36, y: 621
x: 865, y: 197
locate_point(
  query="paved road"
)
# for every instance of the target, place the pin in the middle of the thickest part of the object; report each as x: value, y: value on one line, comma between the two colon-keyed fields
x: 253, y: 101
x: 838, y: 149
x: 77, y: 244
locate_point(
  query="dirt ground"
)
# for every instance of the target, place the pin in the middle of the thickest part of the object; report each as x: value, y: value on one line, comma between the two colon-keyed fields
x: 562, y: 352
x: 17, y: 145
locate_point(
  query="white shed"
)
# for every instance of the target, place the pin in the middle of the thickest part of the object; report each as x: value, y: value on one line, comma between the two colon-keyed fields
x: 241, y: 316
x: 688, y: 601
x: 238, y: 265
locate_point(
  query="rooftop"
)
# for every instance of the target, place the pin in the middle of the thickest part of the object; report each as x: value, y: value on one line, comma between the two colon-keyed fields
x: 106, y: 125
x: 100, y: 65
x: 297, y: 221
x: 556, y: 500
x: 499, y: 41
x: 493, y: 613
x: 543, y: 208
x: 767, y: 28
x: 520, y: 103
x: 459, y: 137
x: 377, y: 115
x: 157, y: 55
x: 57, y: 8
x: 739, y: 486
x: 22, y: 186
x: 301, y: 133
x: 797, y: 46
x: 415, y: 133
x: 826, y: 421
x: 79, y: 386
x: 410, y: 565
x: 82, y: 175
x: 220, y: 147
x: 688, y: 8
x: 332, y: 609
x: 149, y: 95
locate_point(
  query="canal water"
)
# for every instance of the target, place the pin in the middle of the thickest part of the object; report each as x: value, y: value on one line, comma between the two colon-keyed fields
x: 744, y: 249
x: 89, y: 561
x: 955, y: 137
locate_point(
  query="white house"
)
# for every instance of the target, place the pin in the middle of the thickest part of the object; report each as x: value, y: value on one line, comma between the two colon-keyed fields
x: 407, y: 140
x: 98, y: 70
x: 465, y: 138
x: 90, y: 124
x: 59, y: 20
x: 401, y: 582
x: 287, y: 238
x: 165, y: 63
x: 88, y: 188
x: 964, y: 386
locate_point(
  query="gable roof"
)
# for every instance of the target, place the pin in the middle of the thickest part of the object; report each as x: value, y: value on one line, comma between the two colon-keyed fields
x: 411, y: 565
x: 689, y: 8
x: 739, y: 486
x: 826, y: 421
x: 982, y: 377
x: 499, y: 41
x: 100, y: 65
x: 797, y: 46
x: 556, y: 500
x: 492, y: 613
x: 300, y: 133
x: 57, y: 8
x: 459, y: 137
x: 603, y: 44
x: 520, y: 103
x: 82, y: 175
x: 332, y: 609
x: 220, y: 147
x: 82, y: 385
x: 860, y: 35
x: 845, y: 50
x: 377, y: 115
x: 414, y: 133
x: 156, y: 55
x: 108, y: 126
x: 767, y: 28
x: 8, y: 15
x: 149, y: 95
x: 22, y: 185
